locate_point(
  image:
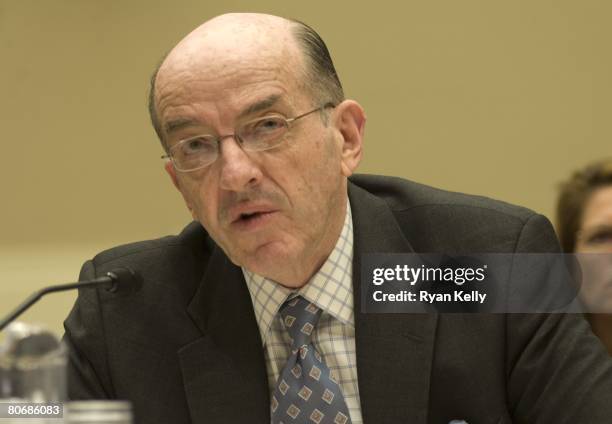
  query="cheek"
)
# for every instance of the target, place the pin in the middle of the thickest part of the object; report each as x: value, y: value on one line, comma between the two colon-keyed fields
x: 202, y: 202
x: 319, y: 181
x: 325, y: 172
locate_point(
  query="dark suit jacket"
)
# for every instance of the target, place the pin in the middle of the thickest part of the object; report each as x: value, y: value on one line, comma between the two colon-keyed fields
x: 186, y: 348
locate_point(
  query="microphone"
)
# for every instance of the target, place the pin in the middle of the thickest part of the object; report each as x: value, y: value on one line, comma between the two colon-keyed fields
x: 120, y: 281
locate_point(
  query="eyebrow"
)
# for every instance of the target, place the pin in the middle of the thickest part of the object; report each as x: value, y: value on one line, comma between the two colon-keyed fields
x: 258, y: 106
x: 597, y: 229
x: 180, y: 123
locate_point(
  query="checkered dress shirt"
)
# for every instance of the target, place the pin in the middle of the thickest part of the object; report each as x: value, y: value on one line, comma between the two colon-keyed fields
x: 331, y: 289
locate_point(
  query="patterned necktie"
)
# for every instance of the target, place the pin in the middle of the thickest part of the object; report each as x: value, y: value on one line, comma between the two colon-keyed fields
x: 306, y: 391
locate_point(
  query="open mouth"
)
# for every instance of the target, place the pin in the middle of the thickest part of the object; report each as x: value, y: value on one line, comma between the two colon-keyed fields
x: 250, y: 218
x: 247, y: 217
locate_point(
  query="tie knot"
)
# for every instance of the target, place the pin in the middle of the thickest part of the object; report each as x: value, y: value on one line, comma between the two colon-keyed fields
x: 300, y: 317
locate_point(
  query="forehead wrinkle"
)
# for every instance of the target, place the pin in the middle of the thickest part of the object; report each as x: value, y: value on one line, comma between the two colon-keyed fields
x: 191, y: 92
x: 179, y: 81
x: 179, y: 123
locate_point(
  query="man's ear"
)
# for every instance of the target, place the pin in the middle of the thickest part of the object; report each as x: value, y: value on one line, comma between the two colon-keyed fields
x: 349, y: 119
x: 172, y: 173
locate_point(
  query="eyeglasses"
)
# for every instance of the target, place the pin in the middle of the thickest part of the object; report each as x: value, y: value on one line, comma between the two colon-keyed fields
x: 254, y: 136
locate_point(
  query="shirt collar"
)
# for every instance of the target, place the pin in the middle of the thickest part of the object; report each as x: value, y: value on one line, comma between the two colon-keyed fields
x: 330, y: 289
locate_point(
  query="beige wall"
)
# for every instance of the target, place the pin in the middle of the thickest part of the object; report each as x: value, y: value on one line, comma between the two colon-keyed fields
x: 496, y: 98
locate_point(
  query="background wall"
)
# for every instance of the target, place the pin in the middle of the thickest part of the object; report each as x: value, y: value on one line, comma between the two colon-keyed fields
x: 496, y: 98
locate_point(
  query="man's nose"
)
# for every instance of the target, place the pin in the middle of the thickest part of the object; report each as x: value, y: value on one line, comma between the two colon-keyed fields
x: 238, y: 170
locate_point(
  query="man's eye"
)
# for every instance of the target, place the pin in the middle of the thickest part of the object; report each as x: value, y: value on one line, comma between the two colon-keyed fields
x: 267, y: 126
x: 270, y: 124
x: 196, y: 145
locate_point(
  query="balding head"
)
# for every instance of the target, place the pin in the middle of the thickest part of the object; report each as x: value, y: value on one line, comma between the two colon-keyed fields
x: 227, y: 42
x: 258, y: 154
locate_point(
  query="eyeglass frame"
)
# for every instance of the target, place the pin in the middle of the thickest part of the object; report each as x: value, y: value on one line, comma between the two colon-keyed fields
x: 218, y: 139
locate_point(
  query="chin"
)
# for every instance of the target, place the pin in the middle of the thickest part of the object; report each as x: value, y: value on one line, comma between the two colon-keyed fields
x: 274, y: 252
x: 268, y: 258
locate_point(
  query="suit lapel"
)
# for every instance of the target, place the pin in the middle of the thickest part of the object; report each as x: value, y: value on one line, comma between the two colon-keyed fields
x: 394, y: 351
x: 224, y: 371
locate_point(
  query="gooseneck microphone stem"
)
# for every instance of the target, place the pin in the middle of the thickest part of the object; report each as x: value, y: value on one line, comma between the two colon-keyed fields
x: 109, y: 280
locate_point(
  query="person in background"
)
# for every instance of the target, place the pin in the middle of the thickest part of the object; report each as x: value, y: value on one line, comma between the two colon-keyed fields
x: 584, y: 225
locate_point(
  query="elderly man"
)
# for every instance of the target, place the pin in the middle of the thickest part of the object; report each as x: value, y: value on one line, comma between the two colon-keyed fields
x: 252, y: 313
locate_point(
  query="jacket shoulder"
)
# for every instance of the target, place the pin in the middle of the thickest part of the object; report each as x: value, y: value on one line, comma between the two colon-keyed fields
x: 403, y: 195
x: 193, y: 238
x: 436, y: 220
